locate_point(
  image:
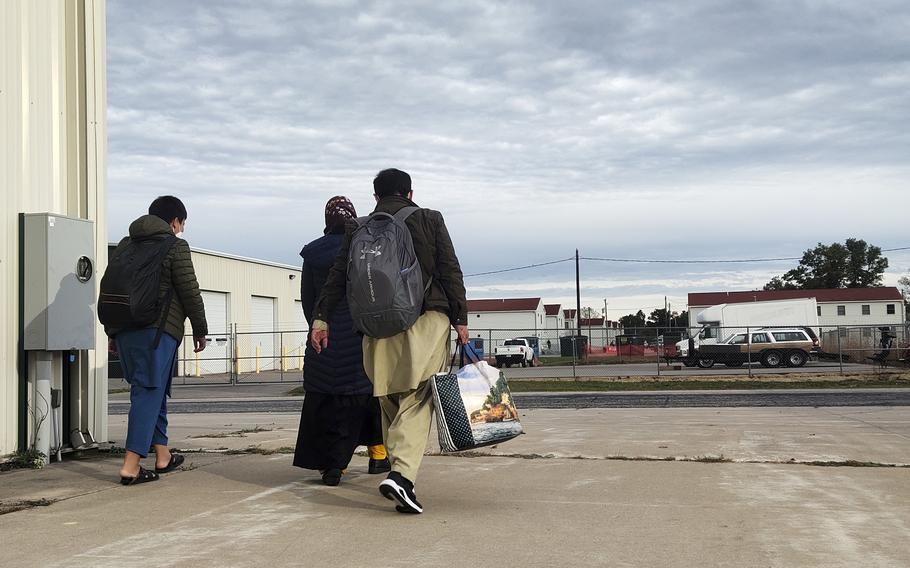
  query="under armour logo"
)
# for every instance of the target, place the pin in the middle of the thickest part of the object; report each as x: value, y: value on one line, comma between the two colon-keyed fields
x: 374, y: 251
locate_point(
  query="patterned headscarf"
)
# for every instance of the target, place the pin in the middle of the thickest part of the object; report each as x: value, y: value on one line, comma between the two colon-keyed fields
x: 337, y: 211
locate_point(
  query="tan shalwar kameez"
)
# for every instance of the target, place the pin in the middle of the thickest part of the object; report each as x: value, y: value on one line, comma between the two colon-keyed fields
x: 400, y: 367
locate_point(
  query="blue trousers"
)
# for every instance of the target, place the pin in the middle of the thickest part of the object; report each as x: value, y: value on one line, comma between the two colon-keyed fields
x: 149, y: 371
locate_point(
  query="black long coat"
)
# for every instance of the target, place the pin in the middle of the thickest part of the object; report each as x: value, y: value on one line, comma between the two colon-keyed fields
x: 339, y: 368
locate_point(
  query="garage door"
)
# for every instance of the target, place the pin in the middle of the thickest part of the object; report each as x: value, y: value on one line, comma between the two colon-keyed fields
x: 295, y: 342
x: 262, y: 324
x: 215, y: 358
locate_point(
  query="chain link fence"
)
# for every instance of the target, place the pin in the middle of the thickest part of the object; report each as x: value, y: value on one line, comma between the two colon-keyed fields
x: 846, y: 349
x: 278, y: 356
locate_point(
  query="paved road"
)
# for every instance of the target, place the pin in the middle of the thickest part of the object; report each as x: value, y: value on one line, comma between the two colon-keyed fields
x: 649, y: 370
x: 677, y: 399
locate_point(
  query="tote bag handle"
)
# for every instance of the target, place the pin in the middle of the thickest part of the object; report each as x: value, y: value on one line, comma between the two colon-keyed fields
x: 464, y: 350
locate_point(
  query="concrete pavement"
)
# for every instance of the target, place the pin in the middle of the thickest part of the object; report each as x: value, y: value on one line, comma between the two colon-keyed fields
x: 579, y: 489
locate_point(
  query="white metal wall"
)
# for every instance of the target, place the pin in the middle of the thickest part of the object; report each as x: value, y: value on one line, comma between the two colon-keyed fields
x: 52, y: 158
x: 556, y: 322
x: 878, y: 313
x: 529, y: 319
x: 503, y: 320
x: 854, y: 313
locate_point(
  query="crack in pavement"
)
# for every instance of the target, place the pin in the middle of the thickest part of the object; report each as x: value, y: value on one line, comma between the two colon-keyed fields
x: 867, y: 423
x: 688, y: 459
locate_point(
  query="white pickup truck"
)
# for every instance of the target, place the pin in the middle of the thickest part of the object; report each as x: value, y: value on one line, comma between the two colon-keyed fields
x: 514, y: 352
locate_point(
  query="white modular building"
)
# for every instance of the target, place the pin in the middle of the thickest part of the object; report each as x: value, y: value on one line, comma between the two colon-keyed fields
x: 877, y: 306
x: 555, y: 317
x: 507, y: 314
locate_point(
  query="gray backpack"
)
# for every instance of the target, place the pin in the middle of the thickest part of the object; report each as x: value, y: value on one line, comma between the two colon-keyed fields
x: 385, y: 285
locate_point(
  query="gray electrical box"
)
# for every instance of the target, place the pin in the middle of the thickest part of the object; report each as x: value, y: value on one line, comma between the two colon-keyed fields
x: 58, y: 267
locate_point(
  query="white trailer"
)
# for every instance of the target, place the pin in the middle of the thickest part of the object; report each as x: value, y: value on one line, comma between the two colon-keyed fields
x: 723, y: 320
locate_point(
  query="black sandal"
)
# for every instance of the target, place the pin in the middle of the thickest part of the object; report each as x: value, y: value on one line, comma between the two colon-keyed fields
x: 176, y: 461
x: 144, y: 476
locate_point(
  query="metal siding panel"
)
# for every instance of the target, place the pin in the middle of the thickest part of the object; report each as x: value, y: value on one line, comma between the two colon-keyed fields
x: 34, y: 153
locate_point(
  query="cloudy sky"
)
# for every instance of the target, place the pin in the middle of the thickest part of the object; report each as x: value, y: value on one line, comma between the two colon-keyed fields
x: 649, y: 130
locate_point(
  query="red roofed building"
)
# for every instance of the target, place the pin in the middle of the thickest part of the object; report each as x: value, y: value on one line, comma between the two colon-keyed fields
x: 838, y: 306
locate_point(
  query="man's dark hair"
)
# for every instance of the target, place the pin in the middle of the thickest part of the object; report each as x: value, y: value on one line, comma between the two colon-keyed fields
x: 391, y: 182
x: 167, y: 208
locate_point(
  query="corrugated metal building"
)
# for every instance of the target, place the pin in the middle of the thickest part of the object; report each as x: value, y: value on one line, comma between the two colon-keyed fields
x: 52, y: 159
x: 261, y: 301
x: 253, y: 310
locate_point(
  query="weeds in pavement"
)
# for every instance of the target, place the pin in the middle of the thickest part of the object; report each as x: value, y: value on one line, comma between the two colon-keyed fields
x: 235, y: 434
x: 13, y: 506
x: 256, y: 450
x: 113, y: 451
x: 24, y: 459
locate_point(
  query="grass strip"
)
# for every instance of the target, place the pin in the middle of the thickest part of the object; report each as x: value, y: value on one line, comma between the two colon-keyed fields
x: 518, y: 385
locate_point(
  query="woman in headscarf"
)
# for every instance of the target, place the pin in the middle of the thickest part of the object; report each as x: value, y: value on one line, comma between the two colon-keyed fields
x: 339, y: 410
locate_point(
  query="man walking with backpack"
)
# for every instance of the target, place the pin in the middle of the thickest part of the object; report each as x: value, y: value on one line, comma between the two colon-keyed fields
x: 149, y: 289
x: 405, y: 290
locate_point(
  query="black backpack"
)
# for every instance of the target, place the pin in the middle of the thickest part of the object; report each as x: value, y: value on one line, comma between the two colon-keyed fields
x: 385, y: 287
x: 130, y: 286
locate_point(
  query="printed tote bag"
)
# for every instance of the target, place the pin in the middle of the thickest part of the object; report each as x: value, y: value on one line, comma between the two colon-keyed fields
x: 473, y: 406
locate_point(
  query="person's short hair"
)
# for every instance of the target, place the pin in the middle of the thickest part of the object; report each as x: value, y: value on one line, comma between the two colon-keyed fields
x: 392, y: 182
x: 167, y: 208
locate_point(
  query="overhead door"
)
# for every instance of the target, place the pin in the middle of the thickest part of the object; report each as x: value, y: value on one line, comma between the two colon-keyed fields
x: 262, y: 324
x: 295, y: 342
x: 215, y: 358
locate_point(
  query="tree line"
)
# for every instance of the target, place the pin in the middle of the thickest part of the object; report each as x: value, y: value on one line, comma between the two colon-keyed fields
x: 852, y: 264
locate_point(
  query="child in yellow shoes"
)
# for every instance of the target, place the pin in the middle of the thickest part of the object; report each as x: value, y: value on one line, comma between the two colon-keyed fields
x: 379, y: 463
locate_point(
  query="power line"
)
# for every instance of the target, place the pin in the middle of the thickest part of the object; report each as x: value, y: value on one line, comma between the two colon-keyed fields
x: 657, y: 261
x: 520, y: 267
x: 713, y: 261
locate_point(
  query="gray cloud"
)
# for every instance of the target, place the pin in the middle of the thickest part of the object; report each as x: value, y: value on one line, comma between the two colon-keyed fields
x: 701, y: 129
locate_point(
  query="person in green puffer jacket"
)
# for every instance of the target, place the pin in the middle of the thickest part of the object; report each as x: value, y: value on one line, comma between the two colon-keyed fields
x: 147, y: 355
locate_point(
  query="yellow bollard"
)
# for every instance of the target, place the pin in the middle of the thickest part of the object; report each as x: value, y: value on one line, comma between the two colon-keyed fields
x: 257, y: 359
x: 198, y: 370
x: 284, y: 356
x: 300, y: 359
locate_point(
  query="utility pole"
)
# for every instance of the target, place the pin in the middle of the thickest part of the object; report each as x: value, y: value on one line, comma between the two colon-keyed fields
x: 578, y: 293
